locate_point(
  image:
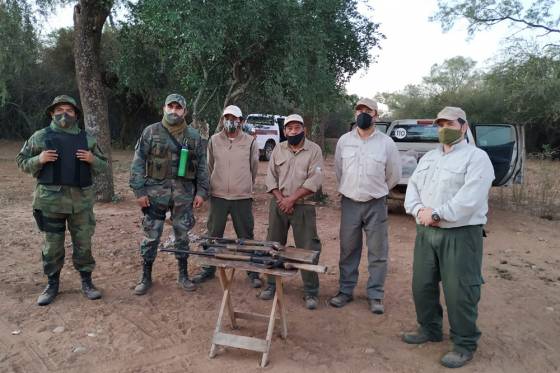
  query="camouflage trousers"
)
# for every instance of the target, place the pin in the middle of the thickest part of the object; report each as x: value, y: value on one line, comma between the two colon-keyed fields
x: 182, y: 219
x: 81, y: 226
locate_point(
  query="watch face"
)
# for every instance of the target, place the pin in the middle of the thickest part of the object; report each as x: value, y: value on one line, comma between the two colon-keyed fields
x: 435, y: 217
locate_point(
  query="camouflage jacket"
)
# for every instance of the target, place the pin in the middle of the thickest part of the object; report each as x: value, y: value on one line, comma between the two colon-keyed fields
x: 153, y: 171
x: 58, y: 198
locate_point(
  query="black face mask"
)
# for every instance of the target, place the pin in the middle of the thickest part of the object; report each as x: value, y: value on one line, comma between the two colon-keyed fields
x: 294, y: 140
x: 364, y: 121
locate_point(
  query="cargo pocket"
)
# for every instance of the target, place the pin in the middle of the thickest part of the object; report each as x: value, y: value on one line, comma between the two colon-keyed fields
x: 471, y: 287
x: 158, y: 162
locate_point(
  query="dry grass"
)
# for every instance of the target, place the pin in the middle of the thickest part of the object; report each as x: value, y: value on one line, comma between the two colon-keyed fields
x: 539, y: 194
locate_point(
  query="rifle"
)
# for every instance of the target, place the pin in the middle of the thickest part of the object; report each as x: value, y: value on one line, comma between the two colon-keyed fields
x: 258, y: 260
x: 260, y: 248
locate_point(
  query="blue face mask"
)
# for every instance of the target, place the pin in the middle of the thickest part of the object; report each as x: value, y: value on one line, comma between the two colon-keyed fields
x: 364, y: 121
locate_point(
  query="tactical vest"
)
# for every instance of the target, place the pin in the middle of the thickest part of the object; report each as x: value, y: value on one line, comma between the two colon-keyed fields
x: 67, y: 169
x: 163, y: 159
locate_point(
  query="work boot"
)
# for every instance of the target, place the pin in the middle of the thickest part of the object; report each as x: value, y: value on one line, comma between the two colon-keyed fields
x: 376, y: 306
x: 254, y: 279
x: 454, y: 359
x: 268, y: 293
x: 205, y: 275
x: 341, y: 300
x: 146, y: 280
x: 183, y: 279
x: 51, y: 291
x: 311, y: 302
x: 88, y: 288
x: 418, y: 337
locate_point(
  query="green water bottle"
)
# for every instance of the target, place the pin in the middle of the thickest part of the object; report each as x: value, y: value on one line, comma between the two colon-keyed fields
x: 183, y: 159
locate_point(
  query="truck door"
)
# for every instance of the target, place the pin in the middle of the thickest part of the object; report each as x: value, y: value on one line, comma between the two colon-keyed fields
x: 505, y: 145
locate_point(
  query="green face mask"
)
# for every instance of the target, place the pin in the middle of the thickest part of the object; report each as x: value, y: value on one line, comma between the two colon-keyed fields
x: 449, y: 136
x: 64, y: 120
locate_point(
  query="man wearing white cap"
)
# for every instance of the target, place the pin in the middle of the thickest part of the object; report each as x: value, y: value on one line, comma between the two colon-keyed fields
x: 295, y: 172
x: 448, y: 196
x: 368, y: 166
x: 233, y: 162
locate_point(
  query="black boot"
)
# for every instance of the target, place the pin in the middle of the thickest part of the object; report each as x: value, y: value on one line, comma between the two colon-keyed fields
x: 51, y: 291
x: 146, y: 280
x: 206, y: 274
x: 88, y: 288
x: 183, y: 278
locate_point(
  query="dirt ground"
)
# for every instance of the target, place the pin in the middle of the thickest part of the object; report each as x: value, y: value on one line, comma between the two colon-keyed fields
x: 169, y: 330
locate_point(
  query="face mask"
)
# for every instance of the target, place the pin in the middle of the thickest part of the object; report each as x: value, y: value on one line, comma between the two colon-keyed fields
x: 294, y: 140
x: 230, y: 126
x: 64, y: 120
x: 449, y: 136
x: 172, y: 118
x: 364, y: 121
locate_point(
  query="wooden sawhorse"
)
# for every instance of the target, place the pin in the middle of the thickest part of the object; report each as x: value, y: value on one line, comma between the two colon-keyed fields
x: 248, y: 343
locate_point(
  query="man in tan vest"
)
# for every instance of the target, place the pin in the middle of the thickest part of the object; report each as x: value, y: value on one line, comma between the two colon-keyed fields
x: 233, y: 161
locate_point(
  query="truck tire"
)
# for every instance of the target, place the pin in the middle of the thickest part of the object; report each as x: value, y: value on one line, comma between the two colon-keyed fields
x: 267, y: 151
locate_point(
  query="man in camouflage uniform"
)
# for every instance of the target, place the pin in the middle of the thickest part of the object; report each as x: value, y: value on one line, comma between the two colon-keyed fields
x: 63, y: 159
x: 158, y: 188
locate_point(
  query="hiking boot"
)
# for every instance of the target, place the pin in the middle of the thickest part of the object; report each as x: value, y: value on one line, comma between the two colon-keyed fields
x: 205, y: 275
x: 340, y: 300
x: 311, y: 302
x: 51, y: 290
x: 254, y: 279
x: 183, y: 278
x: 454, y: 359
x: 89, y: 290
x: 146, y: 280
x: 418, y: 337
x: 268, y: 293
x: 376, y: 306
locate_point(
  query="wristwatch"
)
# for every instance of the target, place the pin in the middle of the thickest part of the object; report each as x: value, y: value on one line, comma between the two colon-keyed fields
x: 435, y: 216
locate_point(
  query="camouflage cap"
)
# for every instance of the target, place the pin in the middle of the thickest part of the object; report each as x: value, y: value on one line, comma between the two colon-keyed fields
x: 451, y: 113
x: 368, y: 102
x: 175, y: 97
x: 63, y: 99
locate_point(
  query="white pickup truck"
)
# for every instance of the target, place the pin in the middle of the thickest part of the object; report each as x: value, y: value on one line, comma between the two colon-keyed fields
x: 269, y: 131
x: 504, y: 143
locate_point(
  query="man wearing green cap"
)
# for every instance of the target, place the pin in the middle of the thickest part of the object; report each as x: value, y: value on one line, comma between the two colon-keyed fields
x: 63, y: 159
x: 448, y: 196
x: 161, y: 182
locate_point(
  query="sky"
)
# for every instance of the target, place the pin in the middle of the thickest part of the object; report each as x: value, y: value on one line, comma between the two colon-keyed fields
x: 412, y: 45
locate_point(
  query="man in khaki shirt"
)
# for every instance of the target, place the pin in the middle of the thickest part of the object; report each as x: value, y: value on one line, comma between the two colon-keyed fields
x: 233, y: 162
x: 368, y: 166
x: 295, y: 171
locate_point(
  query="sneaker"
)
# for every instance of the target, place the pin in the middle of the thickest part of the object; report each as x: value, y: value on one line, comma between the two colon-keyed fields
x: 340, y: 300
x: 311, y: 302
x: 268, y: 293
x: 418, y: 337
x: 454, y: 359
x: 376, y: 306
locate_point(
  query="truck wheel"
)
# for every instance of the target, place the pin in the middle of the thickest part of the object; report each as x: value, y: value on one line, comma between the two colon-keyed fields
x: 268, y: 148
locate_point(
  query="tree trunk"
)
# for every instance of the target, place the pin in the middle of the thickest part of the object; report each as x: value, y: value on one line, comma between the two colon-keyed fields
x: 89, y: 18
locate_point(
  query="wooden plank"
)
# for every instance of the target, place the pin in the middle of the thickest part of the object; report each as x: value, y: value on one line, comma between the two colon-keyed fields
x: 252, y: 316
x: 281, y: 306
x: 245, y: 266
x: 240, y: 341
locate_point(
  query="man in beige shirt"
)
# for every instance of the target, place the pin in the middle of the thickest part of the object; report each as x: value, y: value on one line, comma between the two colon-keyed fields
x: 233, y: 162
x: 368, y: 166
x: 295, y: 171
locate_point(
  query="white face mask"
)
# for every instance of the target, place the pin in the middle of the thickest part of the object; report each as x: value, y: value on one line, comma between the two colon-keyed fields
x: 230, y: 125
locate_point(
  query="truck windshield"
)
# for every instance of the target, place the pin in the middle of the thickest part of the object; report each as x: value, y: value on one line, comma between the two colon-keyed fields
x: 414, y: 133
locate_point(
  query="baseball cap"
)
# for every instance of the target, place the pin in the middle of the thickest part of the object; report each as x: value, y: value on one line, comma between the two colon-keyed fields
x: 451, y: 113
x: 293, y: 118
x: 372, y: 104
x: 233, y: 110
x: 175, y: 97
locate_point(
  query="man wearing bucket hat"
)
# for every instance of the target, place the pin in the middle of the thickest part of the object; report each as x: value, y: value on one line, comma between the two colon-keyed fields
x: 448, y: 196
x: 64, y: 159
x: 368, y: 166
x: 233, y: 162
x: 168, y: 173
x: 295, y: 172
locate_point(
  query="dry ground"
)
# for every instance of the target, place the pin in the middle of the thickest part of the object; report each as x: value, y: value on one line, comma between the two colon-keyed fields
x: 169, y: 330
